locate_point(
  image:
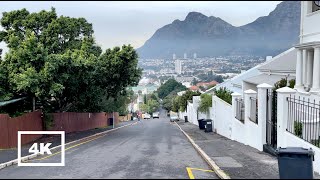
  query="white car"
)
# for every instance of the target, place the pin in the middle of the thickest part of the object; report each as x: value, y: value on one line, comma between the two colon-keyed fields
x: 174, y: 118
x: 155, y: 115
x: 147, y: 116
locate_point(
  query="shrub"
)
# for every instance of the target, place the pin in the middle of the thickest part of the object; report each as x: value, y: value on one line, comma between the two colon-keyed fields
x: 224, y: 94
x: 298, y: 128
x: 205, y: 103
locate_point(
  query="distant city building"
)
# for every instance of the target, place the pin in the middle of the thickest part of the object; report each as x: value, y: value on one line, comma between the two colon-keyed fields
x: 194, y: 55
x: 174, y: 56
x: 178, y: 66
x: 268, y: 58
x: 185, y: 55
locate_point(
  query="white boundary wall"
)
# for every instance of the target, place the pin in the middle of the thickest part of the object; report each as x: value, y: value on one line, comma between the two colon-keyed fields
x: 286, y: 139
x: 221, y: 114
x: 248, y: 132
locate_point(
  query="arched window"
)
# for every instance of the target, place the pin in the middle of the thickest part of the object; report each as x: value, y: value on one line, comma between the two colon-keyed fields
x: 315, y: 6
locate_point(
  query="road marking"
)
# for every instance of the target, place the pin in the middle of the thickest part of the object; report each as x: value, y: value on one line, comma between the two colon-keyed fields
x: 191, y: 176
x: 211, y: 163
x: 71, y: 147
x: 68, y: 148
x: 190, y: 173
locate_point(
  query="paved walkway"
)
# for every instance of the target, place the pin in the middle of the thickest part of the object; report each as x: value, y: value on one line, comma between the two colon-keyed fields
x: 237, y: 160
x: 11, y: 154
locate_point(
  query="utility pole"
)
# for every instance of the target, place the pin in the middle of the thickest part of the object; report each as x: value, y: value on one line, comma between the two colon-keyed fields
x: 112, y: 120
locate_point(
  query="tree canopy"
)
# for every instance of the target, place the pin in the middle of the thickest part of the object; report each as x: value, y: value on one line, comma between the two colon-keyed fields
x: 168, y: 87
x: 56, y: 60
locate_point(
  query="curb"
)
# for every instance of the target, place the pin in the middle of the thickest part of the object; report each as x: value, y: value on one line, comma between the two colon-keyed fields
x: 15, y: 161
x: 211, y: 163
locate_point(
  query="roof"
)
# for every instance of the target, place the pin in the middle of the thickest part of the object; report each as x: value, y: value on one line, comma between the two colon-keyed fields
x: 194, y: 88
x: 265, y: 78
x: 283, y: 63
x: 207, y: 83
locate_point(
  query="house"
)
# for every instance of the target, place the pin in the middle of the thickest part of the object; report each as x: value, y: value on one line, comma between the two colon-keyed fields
x: 308, y: 50
x: 270, y: 71
x: 207, y: 84
x: 194, y: 88
x: 267, y: 119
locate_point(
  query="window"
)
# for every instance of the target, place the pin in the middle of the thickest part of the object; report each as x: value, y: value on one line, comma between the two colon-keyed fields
x: 315, y: 6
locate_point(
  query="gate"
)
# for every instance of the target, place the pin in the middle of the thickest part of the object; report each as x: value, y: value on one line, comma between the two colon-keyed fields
x: 271, y: 118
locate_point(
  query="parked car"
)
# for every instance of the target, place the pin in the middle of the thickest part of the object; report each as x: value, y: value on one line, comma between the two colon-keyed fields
x: 147, y: 116
x: 173, y: 118
x: 155, y: 115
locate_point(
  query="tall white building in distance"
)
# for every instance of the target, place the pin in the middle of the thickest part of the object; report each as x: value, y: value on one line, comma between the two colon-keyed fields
x: 178, y: 66
x: 185, y: 55
x: 194, y: 55
x: 174, y: 56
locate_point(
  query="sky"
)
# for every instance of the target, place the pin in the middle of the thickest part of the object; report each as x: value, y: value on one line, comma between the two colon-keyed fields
x: 133, y: 22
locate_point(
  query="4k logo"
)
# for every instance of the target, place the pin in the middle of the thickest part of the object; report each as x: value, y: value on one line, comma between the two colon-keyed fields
x: 43, y: 148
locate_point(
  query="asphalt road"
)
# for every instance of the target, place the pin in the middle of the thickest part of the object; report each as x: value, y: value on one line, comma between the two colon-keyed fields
x: 153, y: 148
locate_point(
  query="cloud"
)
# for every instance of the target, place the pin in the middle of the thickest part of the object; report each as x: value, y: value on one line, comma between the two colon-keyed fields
x: 120, y: 22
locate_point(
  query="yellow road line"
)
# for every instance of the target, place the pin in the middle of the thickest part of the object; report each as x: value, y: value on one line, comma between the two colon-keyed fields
x: 190, y: 173
x: 67, y: 149
x: 201, y: 169
x: 189, y: 170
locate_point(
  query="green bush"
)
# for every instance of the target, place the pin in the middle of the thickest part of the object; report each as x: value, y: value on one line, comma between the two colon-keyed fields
x: 298, y: 128
x: 283, y: 83
x: 224, y: 94
x: 205, y: 103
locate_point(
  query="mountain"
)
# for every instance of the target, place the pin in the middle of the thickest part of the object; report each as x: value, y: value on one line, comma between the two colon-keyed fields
x: 212, y: 36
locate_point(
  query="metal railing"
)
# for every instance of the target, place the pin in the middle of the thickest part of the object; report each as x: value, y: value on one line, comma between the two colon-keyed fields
x: 303, y: 119
x: 253, y: 110
x: 240, y: 109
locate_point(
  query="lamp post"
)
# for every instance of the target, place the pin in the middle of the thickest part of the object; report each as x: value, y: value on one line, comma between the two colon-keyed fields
x: 112, y: 120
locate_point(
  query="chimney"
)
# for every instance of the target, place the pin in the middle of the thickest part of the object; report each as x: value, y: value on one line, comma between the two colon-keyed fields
x: 268, y: 58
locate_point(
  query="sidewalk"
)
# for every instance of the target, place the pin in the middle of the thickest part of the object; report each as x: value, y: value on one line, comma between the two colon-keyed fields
x: 11, y: 154
x: 235, y: 159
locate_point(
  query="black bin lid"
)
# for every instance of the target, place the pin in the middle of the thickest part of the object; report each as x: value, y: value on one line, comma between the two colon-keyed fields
x: 295, y: 150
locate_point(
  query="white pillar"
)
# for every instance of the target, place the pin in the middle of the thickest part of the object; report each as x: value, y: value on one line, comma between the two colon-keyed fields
x: 262, y: 112
x: 316, y: 71
x: 282, y: 114
x: 249, y: 140
x: 299, y: 85
x: 309, y: 68
x: 304, y: 67
x: 234, y: 95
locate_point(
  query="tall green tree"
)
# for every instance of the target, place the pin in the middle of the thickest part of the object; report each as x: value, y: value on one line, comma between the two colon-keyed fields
x: 55, y: 59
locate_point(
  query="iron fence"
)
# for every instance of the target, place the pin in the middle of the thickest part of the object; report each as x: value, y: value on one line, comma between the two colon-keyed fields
x: 271, y: 128
x: 240, y: 109
x: 303, y: 119
x: 253, y: 110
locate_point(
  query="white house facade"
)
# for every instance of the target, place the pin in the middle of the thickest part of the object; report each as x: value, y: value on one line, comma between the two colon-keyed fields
x: 308, y: 50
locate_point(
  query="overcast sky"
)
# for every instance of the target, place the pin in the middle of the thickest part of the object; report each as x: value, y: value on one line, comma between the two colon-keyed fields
x: 120, y: 22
